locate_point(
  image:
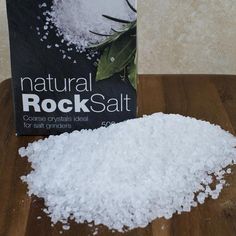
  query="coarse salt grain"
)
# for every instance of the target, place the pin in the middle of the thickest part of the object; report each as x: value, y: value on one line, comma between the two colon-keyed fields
x: 130, y: 173
x: 66, y: 227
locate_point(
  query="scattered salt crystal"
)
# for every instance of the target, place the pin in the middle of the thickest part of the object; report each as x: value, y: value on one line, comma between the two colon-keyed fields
x: 44, y: 5
x: 215, y: 195
x: 222, y: 182
x: 39, y: 217
x: 201, y: 197
x: 98, y: 175
x: 112, y: 59
x: 66, y: 227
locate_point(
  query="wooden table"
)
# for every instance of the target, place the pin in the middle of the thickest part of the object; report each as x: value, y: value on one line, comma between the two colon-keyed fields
x: 211, y: 98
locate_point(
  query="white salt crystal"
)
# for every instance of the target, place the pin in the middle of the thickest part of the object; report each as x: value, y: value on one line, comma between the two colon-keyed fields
x: 222, y: 182
x: 129, y: 173
x: 201, y: 197
x: 44, y: 5
x: 66, y: 227
x: 75, y: 19
x: 112, y: 59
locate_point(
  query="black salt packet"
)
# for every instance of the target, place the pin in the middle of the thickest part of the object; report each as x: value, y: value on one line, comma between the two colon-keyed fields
x: 59, y: 87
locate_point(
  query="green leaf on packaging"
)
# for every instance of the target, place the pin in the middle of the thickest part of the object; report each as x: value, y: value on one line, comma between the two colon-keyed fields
x: 116, y: 56
x: 132, y: 74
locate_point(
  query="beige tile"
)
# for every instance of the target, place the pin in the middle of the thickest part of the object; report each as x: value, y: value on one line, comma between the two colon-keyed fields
x: 187, y: 36
x: 5, y: 71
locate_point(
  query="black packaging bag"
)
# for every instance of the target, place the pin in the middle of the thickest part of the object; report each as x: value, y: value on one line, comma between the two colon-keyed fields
x: 60, y: 88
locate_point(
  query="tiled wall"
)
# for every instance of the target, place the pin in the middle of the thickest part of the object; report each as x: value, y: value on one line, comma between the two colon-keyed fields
x: 4, y: 44
x: 187, y: 36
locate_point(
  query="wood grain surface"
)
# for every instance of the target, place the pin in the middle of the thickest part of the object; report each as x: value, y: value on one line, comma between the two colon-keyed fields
x: 211, y: 98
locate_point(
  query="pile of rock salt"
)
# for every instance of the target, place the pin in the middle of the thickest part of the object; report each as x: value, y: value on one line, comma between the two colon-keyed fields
x: 130, y: 173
